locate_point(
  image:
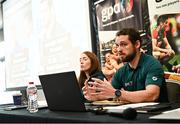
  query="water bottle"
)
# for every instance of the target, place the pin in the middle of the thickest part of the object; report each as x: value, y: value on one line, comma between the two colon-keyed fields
x: 32, y: 98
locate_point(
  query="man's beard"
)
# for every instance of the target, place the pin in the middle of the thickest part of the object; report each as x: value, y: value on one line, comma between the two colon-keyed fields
x: 129, y: 57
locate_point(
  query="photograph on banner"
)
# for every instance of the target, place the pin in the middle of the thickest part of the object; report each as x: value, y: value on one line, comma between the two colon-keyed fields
x: 165, y: 33
x: 112, y: 16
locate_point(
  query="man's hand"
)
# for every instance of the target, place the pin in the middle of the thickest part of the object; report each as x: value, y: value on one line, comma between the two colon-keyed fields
x: 88, y: 90
x: 104, y: 89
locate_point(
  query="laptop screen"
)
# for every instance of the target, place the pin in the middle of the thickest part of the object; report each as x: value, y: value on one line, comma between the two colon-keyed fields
x: 62, y: 92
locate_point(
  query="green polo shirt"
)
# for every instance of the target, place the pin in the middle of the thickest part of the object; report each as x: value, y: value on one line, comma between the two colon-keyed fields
x: 149, y: 71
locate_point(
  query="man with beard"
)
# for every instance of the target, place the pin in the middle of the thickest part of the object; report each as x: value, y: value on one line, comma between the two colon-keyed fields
x: 139, y: 80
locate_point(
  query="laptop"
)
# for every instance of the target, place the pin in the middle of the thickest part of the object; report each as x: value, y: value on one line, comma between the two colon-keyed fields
x: 62, y: 92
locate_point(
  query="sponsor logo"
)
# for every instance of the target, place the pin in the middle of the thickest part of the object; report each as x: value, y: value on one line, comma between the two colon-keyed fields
x: 154, y: 78
x: 128, y: 84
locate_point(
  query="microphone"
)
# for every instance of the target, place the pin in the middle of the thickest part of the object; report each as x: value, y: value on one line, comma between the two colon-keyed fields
x: 127, y: 113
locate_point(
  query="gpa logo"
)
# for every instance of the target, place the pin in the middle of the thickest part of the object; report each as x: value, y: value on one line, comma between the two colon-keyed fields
x: 158, y: 1
x: 123, y: 7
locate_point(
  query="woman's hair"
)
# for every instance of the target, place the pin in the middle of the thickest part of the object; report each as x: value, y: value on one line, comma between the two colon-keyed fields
x: 95, y: 66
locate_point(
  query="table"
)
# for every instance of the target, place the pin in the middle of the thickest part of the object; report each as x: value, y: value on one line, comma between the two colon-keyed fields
x: 45, y: 115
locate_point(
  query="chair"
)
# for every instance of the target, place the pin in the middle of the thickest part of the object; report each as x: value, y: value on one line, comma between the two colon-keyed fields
x: 173, y: 89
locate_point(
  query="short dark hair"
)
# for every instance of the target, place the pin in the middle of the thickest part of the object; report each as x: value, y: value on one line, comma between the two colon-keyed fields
x: 162, y: 19
x: 132, y: 33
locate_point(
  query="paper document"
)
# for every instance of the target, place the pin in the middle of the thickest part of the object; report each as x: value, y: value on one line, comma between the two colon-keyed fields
x: 178, y: 110
x: 168, y: 115
x: 108, y: 103
x: 134, y: 105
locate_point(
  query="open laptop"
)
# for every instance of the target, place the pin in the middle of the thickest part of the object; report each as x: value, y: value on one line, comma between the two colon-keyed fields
x: 62, y: 92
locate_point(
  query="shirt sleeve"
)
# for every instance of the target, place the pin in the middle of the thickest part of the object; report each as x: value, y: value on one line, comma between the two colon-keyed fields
x: 154, y: 34
x: 117, y: 80
x: 155, y: 75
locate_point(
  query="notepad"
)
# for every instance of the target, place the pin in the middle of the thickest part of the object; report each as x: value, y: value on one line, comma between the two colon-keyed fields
x: 108, y: 103
x: 41, y: 104
x: 14, y: 107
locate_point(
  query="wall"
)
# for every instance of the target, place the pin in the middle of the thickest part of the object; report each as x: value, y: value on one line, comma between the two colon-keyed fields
x: 76, y: 26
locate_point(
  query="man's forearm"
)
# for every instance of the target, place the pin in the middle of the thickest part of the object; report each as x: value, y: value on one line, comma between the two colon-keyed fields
x: 138, y: 96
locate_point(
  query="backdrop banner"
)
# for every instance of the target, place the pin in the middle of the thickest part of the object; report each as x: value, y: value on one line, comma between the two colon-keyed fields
x: 165, y: 31
x: 113, y: 15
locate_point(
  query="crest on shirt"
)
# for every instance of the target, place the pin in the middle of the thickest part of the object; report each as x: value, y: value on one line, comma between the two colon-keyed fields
x: 154, y: 78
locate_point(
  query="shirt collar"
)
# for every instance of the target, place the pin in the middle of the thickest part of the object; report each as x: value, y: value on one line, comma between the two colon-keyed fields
x: 141, y: 60
x: 139, y: 63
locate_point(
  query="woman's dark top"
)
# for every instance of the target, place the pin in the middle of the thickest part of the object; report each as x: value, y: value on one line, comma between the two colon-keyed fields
x: 97, y: 74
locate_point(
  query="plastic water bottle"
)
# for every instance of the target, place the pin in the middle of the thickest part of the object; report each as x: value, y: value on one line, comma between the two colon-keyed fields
x: 32, y: 98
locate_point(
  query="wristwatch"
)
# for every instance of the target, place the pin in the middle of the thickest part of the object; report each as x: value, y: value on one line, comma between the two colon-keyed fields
x: 117, y: 93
